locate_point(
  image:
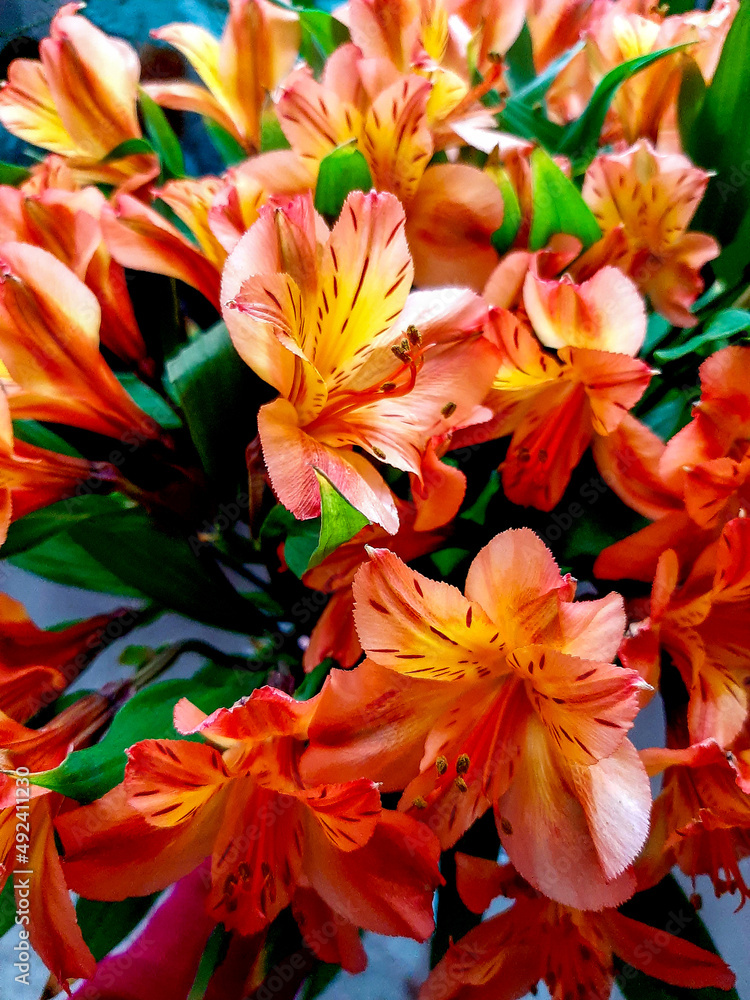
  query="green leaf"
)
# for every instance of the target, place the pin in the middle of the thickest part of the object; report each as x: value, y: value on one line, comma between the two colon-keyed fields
x: 536, y: 87
x: 88, y: 774
x: 149, y: 401
x: 724, y: 325
x: 502, y: 238
x: 160, y: 132
x: 213, y: 954
x: 667, y: 908
x: 12, y: 174
x: 670, y: 414
x: 32, y: 432
x: 519, y: 60
x: 313, y: 681
x: 319, y: 980
x: 105, y: 925
x: 581, y: 137
x: 446, y: 560
x: 530, y: 123
x: 131, y: 546
x: 40, y: 525
x: 300, y: 545
x: 342, y: 171
x: 131, y: 147
x: 657, y: 330
x: 225, y: 144
x: 478, y: 510
x: 322, y: 34
x: 558, y: 206
x: 63, y: 560
x: 339, y: 521
x: 214, y: 387
x: 271, y: 134
x: 7, y: 907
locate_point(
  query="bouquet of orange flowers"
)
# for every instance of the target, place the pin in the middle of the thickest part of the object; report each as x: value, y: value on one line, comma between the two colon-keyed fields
x: 436, y: 394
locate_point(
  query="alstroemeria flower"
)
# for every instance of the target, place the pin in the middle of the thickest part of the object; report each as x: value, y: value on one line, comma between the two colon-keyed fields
x: 326, y: 849
x: 49, y: 344
x: 644, y: 106
x: 258, y: 48
x: 509, y: 697
x: 326, y: 318
x: 36, y: 665
x: 334, y: 633
x: 570, y: 950
x: 701, y: 818
x: 699, y: 479
x: 643, y: 202
x: 704, y: 625
x: 79, y: 101
x: 33, y: 477
x: 566, y: 380
x: 67, y: 224
x: 452, y: 209
x: 52, y: 923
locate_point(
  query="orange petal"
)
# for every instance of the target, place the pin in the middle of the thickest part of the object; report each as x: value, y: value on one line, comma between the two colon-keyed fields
x: 313, y: 117
x: 181, y: 95
x: 334, y: 634
x: 614, y: 383
x: 168, y: 781
x: 420, y: 627
x: 316, y: 919
x: 386, y: 886
x: 586, y: 706
x: 439, y: 495
x: 454, y: 213
x: 572, y: 831
x: 605, y: 313
x: 138, y: 237
x: 666, y: 957
x: 28, y: 110
x: 628, y: 459
x: 292, y: 456
x: 348, y: 813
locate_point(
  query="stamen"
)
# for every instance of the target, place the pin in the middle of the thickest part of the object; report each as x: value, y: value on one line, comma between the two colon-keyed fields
x: 419, y: 803
x: 449, y: 409
x: 462, y: 764
x: 461, y: 784
x: 441, y: 763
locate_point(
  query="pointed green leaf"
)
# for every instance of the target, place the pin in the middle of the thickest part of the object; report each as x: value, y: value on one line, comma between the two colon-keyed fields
x: 225, y: 144
x: 40, y: 525
x: 12, y: 174
x: 131, y: 147
x: 322, y: 34
x: 344, y: 170
x: 162, y: 136
x: 581, y: 138
x: 558, y: 206
x: 724, y: 325
x: 502, y: 238
x: 105, y: 925
x: 339, y: 521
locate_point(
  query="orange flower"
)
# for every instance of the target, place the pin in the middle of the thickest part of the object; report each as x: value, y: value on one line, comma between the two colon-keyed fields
x: 334, y: 634
x: 37, y: 665
x: 701, y: 818
x: 257, y: 50
x: 704, y: 625
x: 27, y: 814
x: 697, y: 482
x: 509, y: 698
x: 79, y: 101
x: 32, y: 477
x: 570, y: 950
x: 49, y: 343
x: 452, y: 209
x: 643, y: 202
x: 67, y: 223
x: 329, y: 850
x: 326, y: 318
x: 556, y: 404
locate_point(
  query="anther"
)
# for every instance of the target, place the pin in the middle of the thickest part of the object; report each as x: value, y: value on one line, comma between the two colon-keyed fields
x: 415, y: 337
x: 462, y: 764
x: 449, y: 409
x: 419, y: 803
x: 461, y: 784
x: 441, y: 763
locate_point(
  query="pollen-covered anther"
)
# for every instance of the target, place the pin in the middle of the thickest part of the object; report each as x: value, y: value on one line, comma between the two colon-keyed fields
x: 402, y: 352
x: 378, y: 452
x: 419, y: 803
x: 415, y: 337
x: 388, y: 387
x: 448, y: 410
x: 461, y: 784
x: 462, y: 764
x: 441, y: 763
